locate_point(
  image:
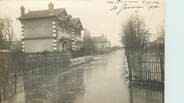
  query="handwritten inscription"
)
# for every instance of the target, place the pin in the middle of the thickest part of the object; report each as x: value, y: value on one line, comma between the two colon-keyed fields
x: 119, y: 5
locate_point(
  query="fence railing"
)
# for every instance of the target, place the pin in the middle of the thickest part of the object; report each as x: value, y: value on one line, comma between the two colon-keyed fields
x: 146, y: 94
x: 146, y: 65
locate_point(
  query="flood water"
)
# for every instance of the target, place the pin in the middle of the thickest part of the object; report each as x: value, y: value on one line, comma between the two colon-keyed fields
x: 99, y: 81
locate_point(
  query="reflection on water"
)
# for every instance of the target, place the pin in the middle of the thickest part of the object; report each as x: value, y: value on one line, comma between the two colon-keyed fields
x: 70, y: 87
x: 100, y: 81
x: 53, y: 88
x: 103, y: 80
x: 40, y: 88
x: 146, y: 94
x: 10, y: 86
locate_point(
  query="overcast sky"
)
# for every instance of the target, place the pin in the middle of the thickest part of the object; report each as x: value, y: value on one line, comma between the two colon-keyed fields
x: 95, y: 15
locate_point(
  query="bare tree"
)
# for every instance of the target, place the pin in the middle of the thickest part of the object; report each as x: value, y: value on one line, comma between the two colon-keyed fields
x: 8, y: 30
x: 161, y: 36
x: 88, y: 43
x: 6, y: 33
x: 2, y: 39
x: 134, y: 33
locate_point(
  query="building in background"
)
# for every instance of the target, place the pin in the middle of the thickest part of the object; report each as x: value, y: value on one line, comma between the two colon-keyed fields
x: 102, y: 44
x: 50, y: 30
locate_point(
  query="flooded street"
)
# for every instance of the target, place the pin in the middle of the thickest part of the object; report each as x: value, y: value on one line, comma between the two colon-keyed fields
x: 99, y: 81
x: 103, y: 80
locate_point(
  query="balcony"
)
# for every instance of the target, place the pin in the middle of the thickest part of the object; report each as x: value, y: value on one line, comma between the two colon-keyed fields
x: 64, y: 35
x: 77, y: 38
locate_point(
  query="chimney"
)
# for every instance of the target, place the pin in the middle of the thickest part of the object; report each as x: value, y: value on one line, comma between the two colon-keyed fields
x: 51, y: 6
x: 22, y: 11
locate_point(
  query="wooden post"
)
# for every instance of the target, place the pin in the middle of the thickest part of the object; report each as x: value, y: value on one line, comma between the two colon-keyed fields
x: 130, y: 92
x: 15, y: 82
x: 0, y: 91
x: 161, y: 57
x: 129, y: 64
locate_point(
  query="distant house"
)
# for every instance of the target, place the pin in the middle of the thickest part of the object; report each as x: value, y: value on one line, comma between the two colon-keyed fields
x: 49, y: 30
x: 101, y: 43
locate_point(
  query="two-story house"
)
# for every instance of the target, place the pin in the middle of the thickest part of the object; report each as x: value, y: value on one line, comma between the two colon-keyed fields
x: 49, y: 30
x: 101, y: 43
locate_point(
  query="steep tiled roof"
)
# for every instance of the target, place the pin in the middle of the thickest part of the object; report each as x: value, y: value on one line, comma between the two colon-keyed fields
x: 44, y: 13
x: 76, y: 22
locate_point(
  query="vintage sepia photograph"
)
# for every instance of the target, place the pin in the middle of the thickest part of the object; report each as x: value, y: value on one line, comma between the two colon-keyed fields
x: 82, y: 51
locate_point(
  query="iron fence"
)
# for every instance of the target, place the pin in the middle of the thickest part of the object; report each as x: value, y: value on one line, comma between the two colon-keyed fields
x: 146, y: 65
x: 146, y: 94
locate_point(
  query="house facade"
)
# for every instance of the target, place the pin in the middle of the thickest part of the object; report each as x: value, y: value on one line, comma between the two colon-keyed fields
x: 50, y: 30
x: 102, y: 44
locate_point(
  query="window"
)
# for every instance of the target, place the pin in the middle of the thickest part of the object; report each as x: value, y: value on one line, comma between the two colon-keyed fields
x: 53, y: 22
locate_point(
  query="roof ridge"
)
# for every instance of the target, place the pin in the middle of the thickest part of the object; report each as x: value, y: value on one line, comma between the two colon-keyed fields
x: 46, y: 10
x: 43, y: 13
